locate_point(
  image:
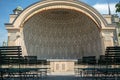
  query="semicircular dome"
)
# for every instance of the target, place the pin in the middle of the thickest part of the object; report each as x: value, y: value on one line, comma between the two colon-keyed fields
x: 61, y: 34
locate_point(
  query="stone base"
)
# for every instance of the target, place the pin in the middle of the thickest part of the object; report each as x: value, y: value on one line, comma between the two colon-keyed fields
x: 62, y: 67
x: 62, y: 73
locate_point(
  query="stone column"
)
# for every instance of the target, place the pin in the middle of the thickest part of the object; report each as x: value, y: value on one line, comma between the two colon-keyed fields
x: 108, y: 38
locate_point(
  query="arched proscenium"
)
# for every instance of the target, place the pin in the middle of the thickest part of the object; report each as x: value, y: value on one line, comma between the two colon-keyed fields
x: 45, y: 5
x: 60, y: 29
x: 61, y: 34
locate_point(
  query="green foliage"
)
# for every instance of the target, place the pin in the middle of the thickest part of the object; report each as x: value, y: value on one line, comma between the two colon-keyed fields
x: 118, y: 24
x: 117, y: 6
x: 119, y: 34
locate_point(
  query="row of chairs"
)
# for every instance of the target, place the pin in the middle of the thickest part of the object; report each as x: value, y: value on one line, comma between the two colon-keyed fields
x: 107, y: 67
x: 111, y: 57
x: 12, y: 55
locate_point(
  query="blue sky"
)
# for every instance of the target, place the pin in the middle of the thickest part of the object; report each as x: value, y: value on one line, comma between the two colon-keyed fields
x: 7, y: 7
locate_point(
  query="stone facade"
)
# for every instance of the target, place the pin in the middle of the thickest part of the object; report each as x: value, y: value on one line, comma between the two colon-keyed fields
x: 59, y: 29
x: 49, y: 29
x: 62, y: 66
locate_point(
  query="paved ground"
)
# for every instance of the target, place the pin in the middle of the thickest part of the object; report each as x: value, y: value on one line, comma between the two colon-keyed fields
x: 62, y: 78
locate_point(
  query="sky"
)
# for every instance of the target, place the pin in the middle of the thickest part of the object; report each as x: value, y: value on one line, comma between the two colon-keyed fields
x: 7, y: 7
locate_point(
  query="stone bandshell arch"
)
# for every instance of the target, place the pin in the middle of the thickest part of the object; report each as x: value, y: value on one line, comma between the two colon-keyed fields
x: 46, y: 5
x: 39, y: 7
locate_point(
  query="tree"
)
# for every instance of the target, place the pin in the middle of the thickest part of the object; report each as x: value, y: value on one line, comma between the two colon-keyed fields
x: 117, y: 6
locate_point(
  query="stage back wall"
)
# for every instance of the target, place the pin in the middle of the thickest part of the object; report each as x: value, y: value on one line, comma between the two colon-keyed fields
x: 61, y: 34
